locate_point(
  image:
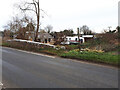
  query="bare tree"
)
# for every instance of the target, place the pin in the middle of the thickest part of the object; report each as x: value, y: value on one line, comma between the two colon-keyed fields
x: 13, y: 25
x: 8, y: 34
x: 85, y: 29
x: 35, y: 7
x: 48, y: 28
x: 18, y: 25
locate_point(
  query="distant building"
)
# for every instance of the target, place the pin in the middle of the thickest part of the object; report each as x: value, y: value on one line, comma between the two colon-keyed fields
x: 45, y: 37
x: 30, y: 35
x: 42, y: 37
x: 75, y: 40
x: 87, y: 37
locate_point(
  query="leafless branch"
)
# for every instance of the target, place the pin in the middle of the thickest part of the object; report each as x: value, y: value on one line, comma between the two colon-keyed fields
x: 44, y: 11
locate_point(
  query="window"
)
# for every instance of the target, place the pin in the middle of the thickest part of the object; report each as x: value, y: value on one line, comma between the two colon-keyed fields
x: 81, y: 40
x: 75, y: 39
x: 69, y: 38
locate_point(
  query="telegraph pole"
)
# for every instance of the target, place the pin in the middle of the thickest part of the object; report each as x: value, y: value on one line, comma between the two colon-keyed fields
x: 78, y: 38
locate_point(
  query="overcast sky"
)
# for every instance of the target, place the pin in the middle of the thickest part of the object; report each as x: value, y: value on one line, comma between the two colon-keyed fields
x: 65, y: 14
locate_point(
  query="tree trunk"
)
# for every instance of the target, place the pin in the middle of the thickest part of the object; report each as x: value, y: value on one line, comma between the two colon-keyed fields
x: 38, y: 22
x: 36, y: 35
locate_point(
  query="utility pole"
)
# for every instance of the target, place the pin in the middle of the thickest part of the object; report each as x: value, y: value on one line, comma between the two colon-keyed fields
x: 78, y: 38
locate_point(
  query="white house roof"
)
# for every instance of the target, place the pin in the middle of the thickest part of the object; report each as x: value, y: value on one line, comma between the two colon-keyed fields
x: 74, y: 37
x: 87, y: 36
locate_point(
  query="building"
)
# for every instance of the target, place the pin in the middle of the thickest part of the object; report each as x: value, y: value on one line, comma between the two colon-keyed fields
x: 42, y: 37
x: 45, y: 37
x: 75, y: 40
x: 87, y: 37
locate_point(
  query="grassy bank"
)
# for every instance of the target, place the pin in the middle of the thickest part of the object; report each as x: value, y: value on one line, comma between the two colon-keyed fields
x: 108, y: 58
x: 98, y: 57
x: 34, y: 48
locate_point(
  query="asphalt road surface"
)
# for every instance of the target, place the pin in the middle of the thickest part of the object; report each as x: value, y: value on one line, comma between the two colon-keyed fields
x: 30, y: 70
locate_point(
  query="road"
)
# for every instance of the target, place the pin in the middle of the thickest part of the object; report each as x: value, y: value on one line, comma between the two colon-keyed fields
x: 29, y: 70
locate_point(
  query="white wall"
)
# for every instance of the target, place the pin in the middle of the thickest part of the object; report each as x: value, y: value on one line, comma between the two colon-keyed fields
x: 74, y: 38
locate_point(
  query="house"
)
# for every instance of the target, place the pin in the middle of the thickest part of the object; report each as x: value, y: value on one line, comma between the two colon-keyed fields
x: 42, y: 36
x: 75, y: 40
x: 30, y: 35
x: 87, y: 37
x: 45, y: 37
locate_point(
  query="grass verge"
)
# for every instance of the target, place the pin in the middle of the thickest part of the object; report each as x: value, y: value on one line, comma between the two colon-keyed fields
x: 105, y: 57
x: 34, y: 48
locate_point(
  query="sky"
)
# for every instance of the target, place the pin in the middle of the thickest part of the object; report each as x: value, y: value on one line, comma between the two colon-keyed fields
x: 68, y: 14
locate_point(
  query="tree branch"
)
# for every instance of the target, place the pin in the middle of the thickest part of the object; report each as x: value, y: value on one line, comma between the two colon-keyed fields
x: 43, y: 11
x: 27, y: 8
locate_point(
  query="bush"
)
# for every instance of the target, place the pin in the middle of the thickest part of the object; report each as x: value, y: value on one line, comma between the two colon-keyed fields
x: 106, y: 42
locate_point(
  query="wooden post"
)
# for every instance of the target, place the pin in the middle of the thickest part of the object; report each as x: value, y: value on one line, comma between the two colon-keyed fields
x: 78, y: 38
